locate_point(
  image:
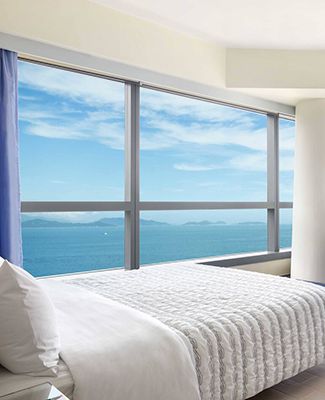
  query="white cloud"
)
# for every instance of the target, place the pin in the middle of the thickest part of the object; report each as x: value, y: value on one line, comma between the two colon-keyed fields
x: 243, y: 162
x: 153, y: 101
x: 249, y: 162
x: 287, y: 139
x: 179, y: 123
x: 79, y: 87
x: 53, y: 124
x: 172, y: 133
x: 195, y: 167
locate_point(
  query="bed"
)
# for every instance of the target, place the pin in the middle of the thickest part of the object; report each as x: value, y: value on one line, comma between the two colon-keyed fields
x: 248, y: 331
x: 186, y: 331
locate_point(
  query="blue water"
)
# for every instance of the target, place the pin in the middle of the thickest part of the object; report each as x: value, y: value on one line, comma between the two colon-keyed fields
x: 49, y: 251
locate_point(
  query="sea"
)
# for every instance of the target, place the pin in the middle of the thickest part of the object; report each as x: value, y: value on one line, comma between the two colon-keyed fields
x: 63, y: 250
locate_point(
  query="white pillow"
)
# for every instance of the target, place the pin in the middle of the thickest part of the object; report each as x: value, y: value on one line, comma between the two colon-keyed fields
x: 29, y: 339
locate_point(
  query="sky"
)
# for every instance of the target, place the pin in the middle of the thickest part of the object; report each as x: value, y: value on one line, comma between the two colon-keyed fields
x: 72, y: 146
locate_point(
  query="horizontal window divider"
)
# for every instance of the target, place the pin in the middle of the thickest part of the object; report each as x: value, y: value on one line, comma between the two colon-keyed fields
x: 70, y: 206
x: 285, y: 204
x: 201, y: 205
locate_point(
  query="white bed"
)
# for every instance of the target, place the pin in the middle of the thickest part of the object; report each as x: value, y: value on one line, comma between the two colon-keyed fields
x: 185, y: 332
x: 248, y: 331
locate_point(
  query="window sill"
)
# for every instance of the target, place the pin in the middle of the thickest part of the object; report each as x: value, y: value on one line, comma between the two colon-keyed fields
x: 247, y: 258
x: 227, y: 261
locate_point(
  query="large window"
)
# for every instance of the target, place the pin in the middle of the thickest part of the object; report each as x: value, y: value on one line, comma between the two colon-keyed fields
x: 56, y: 243
x: 114, y: 174
x: 194, y: 150
x: 72, y: 135
x: 72, y: 160
x: 179, y: 235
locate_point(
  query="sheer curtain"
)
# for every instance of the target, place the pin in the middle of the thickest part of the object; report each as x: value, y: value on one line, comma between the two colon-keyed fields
x: 10, y: 228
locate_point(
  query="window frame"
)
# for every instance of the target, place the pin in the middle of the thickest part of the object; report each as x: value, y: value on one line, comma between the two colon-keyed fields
x: 132, y: 206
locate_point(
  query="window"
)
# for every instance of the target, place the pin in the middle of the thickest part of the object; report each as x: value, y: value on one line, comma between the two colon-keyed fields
x: 286, y: 158
x: 195, y: 150
x: 116, y: 174
x: 56, y: 243
x: 285, y: 228
x: 179, y: 235
x: 286, y: 167
x: 72, y: 160
x: 72, y: 135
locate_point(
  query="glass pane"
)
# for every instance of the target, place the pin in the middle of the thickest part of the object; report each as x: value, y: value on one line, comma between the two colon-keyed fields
x: 179, y: 235
x: 72, y: 135
x: 285, y: 228
x: 61, y: 243
x: 286, y: 158
x: 194, y: 150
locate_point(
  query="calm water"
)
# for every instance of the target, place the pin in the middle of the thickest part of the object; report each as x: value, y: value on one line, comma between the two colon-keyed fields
x: 71, y: 249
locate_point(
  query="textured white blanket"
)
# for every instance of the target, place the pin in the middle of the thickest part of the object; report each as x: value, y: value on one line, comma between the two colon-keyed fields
x: 117, y: 353
x: 248, y: 331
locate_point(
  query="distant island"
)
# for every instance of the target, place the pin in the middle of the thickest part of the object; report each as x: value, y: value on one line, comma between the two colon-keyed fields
x: 252, y: 223
x: 205, y: 222
x: 46, y: 223
x: 117, y: 222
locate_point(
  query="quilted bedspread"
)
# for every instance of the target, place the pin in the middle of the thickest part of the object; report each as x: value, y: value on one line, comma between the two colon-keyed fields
x: 246, y: 331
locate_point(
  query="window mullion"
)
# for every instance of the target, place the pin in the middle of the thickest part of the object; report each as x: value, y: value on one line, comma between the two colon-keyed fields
x: 132, y: 217
x: 273, y: 182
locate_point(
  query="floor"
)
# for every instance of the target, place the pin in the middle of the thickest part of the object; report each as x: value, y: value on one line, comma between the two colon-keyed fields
x: 309, y: 385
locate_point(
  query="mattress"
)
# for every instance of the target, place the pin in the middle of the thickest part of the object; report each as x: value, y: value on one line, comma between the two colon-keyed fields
x: 247, y: 331
x: 10, y: 382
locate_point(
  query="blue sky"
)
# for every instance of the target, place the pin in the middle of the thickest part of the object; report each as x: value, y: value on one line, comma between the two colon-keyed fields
x: 72, y: 145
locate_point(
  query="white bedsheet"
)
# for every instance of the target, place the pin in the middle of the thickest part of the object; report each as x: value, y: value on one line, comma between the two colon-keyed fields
x: 117, y: 353
x: 248, y: 331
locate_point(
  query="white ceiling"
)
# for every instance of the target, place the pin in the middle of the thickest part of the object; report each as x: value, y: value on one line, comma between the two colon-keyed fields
x: 285, y: 96
x: 278, y: 24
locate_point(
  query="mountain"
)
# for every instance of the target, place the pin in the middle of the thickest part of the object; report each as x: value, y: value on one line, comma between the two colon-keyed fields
x: 205, y: 223
x: 45, y: 223
x: 148, y: 222
x: 48, y: 223
x: 252, y: 223
x: 26, y: 217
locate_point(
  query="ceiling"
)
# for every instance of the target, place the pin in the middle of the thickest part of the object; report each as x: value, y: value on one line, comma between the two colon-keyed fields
x: 286, y: 96
x: 250, y: 24
x: 277, y: 24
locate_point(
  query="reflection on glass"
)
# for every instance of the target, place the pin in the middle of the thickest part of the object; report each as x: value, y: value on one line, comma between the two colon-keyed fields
x: 179, y: 235
x: 61, y: 243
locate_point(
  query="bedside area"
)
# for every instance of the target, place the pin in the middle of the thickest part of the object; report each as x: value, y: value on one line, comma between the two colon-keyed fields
x: 12, y: 385
x: 44, y: 391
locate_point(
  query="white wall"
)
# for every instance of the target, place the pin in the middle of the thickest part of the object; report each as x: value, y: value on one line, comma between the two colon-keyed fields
x: 105, y: 40
x: 249, y: 68
x: 97, y: 30
x: 308, y: 239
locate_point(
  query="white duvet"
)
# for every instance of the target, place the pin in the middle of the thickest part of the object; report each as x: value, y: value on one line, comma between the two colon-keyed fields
x: 117, y: 353
x: 247, y: 331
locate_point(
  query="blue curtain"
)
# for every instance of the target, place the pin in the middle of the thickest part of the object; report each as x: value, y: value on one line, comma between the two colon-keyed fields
x: 10, y: 228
